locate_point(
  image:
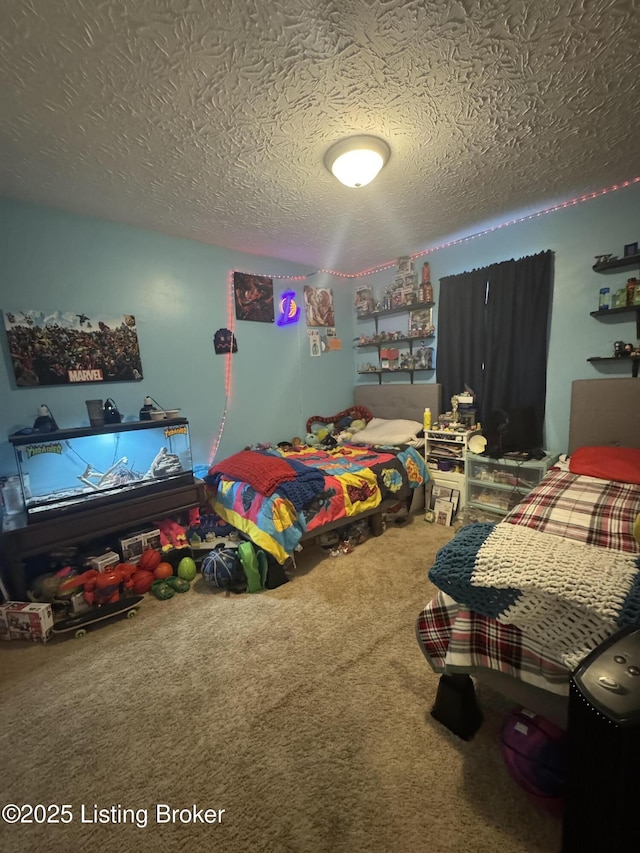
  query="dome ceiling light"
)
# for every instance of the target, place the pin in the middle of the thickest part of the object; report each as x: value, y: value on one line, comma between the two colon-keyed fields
x: 356, y: 161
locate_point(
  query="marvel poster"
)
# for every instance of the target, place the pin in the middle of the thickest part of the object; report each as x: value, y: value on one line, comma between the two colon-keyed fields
x: 62, y: 348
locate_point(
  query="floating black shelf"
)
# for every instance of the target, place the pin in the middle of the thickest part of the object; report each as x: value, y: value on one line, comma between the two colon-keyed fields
x: 633, y: 359
x: 624, y: 309
x: 608, y: 312
x: 381, y: 371
x: 389, y: 343
x: 618, y: 263
x: 398, y: 309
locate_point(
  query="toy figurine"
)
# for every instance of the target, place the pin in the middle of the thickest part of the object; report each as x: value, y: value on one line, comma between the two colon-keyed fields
x: 172, y: 534
x: 101, y: 587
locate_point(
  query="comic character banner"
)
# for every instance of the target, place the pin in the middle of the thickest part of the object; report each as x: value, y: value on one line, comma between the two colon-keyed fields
x: 253, y: 295
x: 318, y: 306
x: 63, y: 348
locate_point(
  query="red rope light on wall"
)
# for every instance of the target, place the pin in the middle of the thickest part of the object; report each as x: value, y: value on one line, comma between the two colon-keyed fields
x: 227, y: 368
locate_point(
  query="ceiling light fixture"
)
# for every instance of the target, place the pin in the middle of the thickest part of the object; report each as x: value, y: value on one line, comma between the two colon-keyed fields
x: 356, y: 161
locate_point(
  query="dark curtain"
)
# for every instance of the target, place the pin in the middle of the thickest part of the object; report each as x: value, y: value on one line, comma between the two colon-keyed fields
x: 498, y: 348
x: 461, y: 334
x: 516, y: 344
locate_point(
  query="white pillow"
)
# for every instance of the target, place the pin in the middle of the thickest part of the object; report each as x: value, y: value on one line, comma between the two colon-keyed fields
x: 382, y: 431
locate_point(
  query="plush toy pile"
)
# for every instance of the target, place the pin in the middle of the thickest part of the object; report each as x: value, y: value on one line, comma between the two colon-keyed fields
x: 331, y: 434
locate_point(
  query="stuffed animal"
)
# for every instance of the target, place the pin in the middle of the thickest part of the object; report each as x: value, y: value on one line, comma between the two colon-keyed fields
x: 344, y: 423
x: 172, y: 534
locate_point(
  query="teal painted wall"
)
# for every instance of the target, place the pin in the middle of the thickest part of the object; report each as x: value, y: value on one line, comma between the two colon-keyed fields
x: 178, y: 291
x: 575, y: 234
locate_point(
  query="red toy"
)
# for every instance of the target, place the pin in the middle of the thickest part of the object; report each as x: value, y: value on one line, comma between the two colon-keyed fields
x: 102, y: 587
x: 172, y: 534
x: 149, y: 559
x: 142, y: 580
x: 163, y: 571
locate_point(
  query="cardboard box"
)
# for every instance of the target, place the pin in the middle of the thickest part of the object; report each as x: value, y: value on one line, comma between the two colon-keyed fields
x: 131, y: 548
x: 151, y: 539
x: 26, y: 620
x: 103, y: 561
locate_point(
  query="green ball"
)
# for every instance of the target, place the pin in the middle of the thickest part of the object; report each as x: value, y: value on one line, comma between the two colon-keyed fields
x: 186, y: 569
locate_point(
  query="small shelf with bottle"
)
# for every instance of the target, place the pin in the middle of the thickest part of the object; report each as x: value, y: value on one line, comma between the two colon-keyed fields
x: 608, y: 264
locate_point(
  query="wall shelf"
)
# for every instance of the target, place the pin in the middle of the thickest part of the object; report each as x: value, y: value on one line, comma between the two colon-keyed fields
x: 616, y: 312
x: 407, y: 340
x: 635, y: 361
x: 388, y: 343
x: 398, y: 309
x: 381, y: 371
x: 618, y: 263
x: 612, y: 266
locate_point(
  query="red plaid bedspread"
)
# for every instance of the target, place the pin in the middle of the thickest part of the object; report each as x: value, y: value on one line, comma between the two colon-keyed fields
x: 455, y: 639
x: 585, y: 509
x: 595, y: 512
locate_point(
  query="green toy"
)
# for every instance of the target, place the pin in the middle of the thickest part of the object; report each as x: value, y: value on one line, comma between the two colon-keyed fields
x: 255, y: 565
x: 187, y: 569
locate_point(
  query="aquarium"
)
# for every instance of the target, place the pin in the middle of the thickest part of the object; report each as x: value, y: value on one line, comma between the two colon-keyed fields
x: 74, y: 468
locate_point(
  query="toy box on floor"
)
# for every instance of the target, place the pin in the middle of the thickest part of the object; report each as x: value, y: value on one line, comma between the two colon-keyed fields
x: 25, y: 620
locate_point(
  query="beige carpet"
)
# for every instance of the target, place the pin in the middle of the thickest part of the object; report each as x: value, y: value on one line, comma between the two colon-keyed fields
x: 303, y: 712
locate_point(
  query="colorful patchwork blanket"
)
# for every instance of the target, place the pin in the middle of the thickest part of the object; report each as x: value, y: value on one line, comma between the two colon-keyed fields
x: 328, y: 485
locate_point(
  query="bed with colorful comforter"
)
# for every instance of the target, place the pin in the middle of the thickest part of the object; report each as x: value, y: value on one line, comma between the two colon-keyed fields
x: 277, y: 496
x: 530, y: 596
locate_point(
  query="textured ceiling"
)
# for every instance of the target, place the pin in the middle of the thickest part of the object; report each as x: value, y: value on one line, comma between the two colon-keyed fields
x: 209, y: 119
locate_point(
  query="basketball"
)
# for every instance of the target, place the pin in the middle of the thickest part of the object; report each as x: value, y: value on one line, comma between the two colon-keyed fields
x: 142, y: 580
x: 149, y: 559
x: 218, y: 567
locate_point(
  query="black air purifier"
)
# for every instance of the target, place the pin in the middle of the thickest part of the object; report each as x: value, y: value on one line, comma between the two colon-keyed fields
x: 603, y: 792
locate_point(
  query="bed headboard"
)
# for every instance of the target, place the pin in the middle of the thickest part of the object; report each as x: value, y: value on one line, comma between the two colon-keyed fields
x: 605, y: 412
x: 400, y: 400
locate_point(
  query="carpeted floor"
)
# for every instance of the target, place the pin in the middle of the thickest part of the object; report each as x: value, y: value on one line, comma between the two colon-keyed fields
x: 303, y: 712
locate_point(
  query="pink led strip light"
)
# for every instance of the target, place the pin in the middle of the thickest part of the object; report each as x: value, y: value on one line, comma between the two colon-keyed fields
x: 230, y: 303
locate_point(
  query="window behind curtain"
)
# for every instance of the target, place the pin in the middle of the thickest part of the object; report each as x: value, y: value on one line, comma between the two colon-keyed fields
x: 493, y: 331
